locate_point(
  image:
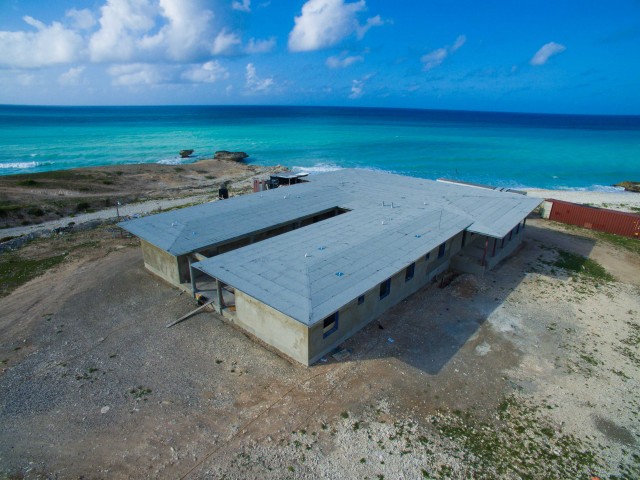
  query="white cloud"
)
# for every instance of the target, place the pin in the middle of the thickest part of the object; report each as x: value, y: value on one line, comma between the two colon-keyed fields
x: 128, y: 30
x: 136, y: 74
x: 121, y: 24
x: 243, y: 6
x: 48, y: 45
x: 260, y: 46
x: 82, y: 19
x: 460, y: 41
x: 71, y: 76
x: 183, y: 36
x: 343, y: 60
x: 547, y: 51
x: 226, y: 43
x: 435, y: 58
x: 324, y: 23
x: 371, y: 22
x: 255, y: 84
x: 357, y: 87
x: 208, y: 72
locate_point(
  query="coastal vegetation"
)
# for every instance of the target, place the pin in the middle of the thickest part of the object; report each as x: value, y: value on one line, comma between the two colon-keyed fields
x: 40, y: 197
x: 629, y: 244
x: 17, y: 269
x: 582, y: 266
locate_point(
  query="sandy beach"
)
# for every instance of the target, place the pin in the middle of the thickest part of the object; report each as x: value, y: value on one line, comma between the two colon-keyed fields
x: 623, y: 201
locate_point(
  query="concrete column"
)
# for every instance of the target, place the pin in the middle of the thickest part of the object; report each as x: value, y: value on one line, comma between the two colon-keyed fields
x: 192, y: 276
x: 219, y: 294
x: 484, y: 255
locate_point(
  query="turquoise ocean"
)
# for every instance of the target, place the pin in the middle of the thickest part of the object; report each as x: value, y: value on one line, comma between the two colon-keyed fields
x: 502, y: 149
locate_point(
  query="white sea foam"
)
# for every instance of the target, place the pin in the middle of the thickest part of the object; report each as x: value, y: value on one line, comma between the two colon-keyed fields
x: 317, y: 168
x: 20, y: 165
x: 594, y: 188
x: 170, y: 161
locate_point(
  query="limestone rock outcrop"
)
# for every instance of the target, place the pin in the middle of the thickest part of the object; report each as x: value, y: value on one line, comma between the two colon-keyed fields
x: 231, y: 156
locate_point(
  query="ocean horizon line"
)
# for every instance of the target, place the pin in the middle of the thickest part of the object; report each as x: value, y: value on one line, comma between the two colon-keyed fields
x: 353, y: 107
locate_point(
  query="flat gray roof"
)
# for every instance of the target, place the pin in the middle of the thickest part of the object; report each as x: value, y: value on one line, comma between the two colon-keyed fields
x: 491, y: 213
x: 194, y: 228
x: 311, y: 272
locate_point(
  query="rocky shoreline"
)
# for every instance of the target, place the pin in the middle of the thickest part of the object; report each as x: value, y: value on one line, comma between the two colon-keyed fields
x: 629, y: 186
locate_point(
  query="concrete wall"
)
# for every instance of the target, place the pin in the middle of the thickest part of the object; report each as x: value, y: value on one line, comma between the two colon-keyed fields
x: 469, y: 260
x: 353, y: 317
x: 161, y: 263
x: 272, y: 327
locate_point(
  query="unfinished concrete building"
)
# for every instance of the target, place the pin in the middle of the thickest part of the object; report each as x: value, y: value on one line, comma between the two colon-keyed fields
x: 303, y: 268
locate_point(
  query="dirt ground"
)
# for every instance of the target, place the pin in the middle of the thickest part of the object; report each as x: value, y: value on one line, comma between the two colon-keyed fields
x: 527, y: 372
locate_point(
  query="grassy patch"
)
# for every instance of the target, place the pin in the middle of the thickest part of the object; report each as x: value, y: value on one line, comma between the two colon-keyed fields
x: 582, y: 266
x: 6, y: 208
x: 16, y: 270
x: 523, y: 444
x: 140, y: 392
x: 629, y: 347
x: 626, y: 243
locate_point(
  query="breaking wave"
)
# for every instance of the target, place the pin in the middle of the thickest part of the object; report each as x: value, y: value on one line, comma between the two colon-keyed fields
x: 170, y: 161
x: 20, y: 165
x: 594, y: 188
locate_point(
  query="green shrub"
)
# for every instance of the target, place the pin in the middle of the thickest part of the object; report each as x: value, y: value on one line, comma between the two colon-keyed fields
x: 28, y: 183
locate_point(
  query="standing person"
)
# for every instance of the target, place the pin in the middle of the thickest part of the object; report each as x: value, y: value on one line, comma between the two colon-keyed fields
x: 223, y: 192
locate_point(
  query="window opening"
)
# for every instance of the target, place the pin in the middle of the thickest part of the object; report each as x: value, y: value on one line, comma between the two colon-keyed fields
x: 385, y: 288
x: 330, y: 325
x: 408, y: 274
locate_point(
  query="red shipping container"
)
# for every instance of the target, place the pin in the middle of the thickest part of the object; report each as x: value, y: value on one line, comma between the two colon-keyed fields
x: 601, y: 219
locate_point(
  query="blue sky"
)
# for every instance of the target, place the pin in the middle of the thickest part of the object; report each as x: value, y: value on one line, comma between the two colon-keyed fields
x: 536, y: 56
